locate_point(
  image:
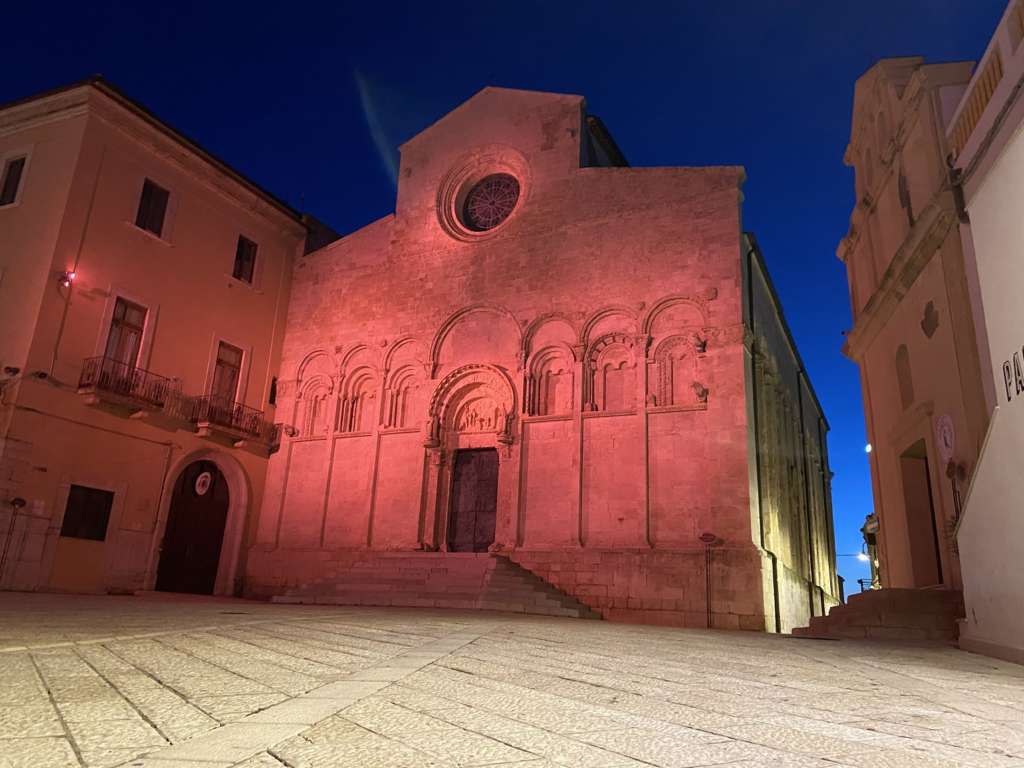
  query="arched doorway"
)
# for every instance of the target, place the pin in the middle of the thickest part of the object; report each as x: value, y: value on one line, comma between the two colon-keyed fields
x: 195, y: 530
x: 470, y: 501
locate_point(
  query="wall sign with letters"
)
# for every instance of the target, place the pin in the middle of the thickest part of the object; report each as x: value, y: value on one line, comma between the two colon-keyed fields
x: 1013, y: 376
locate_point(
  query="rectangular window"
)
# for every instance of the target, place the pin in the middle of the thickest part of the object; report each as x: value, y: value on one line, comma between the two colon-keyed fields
x: 125, y: 338
x: 152, y: 208
x: 245, y: 260
x: 226, y: 373
x: 87, y: 513
x: 11, y: 182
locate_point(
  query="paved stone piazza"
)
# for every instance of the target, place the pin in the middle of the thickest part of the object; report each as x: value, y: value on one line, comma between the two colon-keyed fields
x: 174, y: 682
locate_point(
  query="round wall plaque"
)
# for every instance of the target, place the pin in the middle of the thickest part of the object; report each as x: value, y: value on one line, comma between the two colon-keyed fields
x: 203, y: 483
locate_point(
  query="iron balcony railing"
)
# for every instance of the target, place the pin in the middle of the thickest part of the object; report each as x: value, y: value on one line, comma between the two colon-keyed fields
x: 219, y: 411
x: 108, y: 375
x: 180, y: 407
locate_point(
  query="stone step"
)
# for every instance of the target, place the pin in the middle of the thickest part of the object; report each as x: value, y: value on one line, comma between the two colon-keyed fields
x: 543, y: 607
x: 907, y: 615
x: 925, y: 600
x: 439, y: 580
x: 382, y: 581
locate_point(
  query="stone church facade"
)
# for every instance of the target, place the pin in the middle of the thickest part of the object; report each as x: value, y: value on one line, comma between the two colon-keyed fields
x: 547, y: 355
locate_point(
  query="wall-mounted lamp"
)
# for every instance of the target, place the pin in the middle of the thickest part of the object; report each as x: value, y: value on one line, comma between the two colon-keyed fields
x: 66, y: 278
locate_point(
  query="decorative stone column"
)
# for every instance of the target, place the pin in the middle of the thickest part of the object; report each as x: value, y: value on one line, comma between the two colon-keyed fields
x: 506, y: 525
x: 430, y: 537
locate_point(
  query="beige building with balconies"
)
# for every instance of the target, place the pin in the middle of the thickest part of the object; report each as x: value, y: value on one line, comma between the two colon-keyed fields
x: 143, y: 292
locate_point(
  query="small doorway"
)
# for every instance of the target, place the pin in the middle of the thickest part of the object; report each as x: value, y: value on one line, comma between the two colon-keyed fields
x: 922, y: 529
x: 195, y: 531
x: 474, y: 504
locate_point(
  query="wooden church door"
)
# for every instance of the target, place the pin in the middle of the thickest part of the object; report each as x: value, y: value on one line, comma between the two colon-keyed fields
x: 474, y: 505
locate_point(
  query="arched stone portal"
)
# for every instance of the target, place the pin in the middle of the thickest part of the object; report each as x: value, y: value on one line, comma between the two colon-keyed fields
x: 474, y: 458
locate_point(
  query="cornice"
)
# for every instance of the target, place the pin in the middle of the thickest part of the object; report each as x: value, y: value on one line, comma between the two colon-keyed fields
x: 909, y: 421
x: 921, y: 244
x: 52, y: 109
x: 866, y: 205
x: 98, y: 99
x: 185, y: 160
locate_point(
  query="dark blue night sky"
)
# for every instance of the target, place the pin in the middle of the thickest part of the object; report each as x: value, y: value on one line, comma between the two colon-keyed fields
x: 307, y: 99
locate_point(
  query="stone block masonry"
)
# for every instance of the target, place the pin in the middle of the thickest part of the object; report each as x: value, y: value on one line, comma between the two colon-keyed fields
x: 542, y: 354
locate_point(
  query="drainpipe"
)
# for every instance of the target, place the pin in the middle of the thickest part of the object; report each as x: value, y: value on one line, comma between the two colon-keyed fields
x: 78, y: 258
x: 156, y: 547
x: 708, y: 540
x: 16, y: 505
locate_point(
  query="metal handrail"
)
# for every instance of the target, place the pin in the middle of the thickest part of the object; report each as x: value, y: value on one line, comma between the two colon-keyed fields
x: 109, y: 375
x: 214, y: 409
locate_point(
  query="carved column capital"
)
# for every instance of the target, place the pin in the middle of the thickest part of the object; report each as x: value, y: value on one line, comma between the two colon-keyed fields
x: 642, y: 342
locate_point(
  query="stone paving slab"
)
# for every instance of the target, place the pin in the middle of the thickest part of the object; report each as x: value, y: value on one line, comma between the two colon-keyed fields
x: 178, y: 682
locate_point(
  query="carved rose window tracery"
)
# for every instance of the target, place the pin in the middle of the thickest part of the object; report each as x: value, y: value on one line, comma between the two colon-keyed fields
x: 490, y: 202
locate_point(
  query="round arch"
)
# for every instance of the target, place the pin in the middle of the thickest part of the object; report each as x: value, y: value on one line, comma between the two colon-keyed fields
x: 449, y: 394
x: 455, y: 317
x: 667, y: 303
x: 550, y: 318
x: 609, y: 311
x: 228, y: 581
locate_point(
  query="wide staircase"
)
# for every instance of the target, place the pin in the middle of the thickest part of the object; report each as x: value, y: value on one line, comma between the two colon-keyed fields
x: 439, y: 580
x: 908, y: 615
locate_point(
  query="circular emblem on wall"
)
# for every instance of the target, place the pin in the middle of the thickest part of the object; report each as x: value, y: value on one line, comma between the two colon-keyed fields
x: 203, y: 483
x: 945, y: 436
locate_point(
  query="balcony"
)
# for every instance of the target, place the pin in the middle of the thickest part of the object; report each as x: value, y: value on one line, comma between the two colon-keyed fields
x: 108, y: 382
x: 244, y: 426
x: 127, y: 390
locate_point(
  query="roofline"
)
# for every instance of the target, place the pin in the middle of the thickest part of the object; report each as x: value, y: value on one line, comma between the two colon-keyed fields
x: 755, y: 250
x: 480, y: 92
x: 108, y: 89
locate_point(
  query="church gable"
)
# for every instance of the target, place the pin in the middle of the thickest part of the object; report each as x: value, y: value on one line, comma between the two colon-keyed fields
x: 532, y: 137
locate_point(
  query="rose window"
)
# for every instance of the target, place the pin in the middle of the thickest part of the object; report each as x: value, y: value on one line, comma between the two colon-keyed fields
x: 490, y: 202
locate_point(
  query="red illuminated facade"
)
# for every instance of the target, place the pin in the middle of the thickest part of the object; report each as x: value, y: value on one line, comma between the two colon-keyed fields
x: 547, y: 355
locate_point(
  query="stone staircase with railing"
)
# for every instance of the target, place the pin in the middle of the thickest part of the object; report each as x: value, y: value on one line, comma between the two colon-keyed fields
x: 907, y: 615
x: 438, y: 580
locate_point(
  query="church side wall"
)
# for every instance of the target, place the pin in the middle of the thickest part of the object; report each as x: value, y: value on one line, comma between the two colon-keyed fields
x: 794, y: 480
